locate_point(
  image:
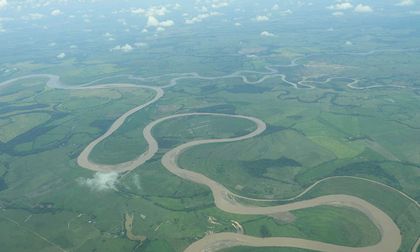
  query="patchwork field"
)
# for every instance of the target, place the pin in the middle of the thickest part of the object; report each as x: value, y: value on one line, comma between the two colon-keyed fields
x: 219, y: 126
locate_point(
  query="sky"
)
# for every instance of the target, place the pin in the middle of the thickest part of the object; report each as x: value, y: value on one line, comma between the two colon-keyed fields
x: 158, y: 16
x: 65, y: 22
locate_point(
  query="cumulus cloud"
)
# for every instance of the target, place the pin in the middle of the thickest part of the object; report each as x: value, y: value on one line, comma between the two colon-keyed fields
x: 154, y: 22
x: 341, y: 6
x: 61, y: 56
x: 406, y: 3
x: 199, y: 18
x: 266, y: 34
x: 219, y: 4
x: 167, y: 23
x: 275, y: 7
x: 157, y: 11
x: 152, y: 11
x: 261, y: 18
x: 361, y: 8
x: 123, y: 48
x: 3, y: 3
x: 56, y: 12
x: 100, y: 181
x: 138, y: 11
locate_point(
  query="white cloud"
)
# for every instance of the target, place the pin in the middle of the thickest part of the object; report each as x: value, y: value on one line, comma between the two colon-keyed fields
x: 3, y: 3
x: 109, y: 36
x: 346, y: 5
x: 261, y: 18
x: 219, y: 4
x: 100, y: 181
x: 167, y: 23
x: 123, y: 48
x: 154, y: 22
x: 56, y: 12
x: 348, y: 43
x: 138, y: 11
x: 361, y: 8
x: 266, y: 34
x: 341, y: 6
x: 2, y: 29
x: 199, y: 18
x: 152, y: 11
x: 157, y: 11
x: 275, y: 7
x: 406, y: 3
x: 61, y: 56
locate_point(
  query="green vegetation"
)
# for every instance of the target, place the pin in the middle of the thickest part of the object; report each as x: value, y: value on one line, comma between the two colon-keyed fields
x: 403, y: 211
x: 252, y: 249
x: 340, y: 226
x: 322, y: 128
x: 16, y: 125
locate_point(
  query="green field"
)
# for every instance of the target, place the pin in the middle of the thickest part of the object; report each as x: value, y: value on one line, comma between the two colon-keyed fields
x: 339, y: 95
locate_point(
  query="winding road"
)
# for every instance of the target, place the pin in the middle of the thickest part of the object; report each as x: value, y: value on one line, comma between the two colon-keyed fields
x: 223, y: 198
